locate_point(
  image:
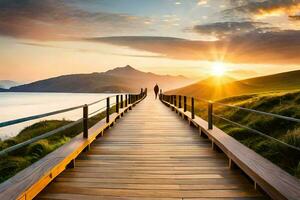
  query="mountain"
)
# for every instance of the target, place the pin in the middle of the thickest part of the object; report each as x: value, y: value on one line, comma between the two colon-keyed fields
x: 216, y: 88
x: 121, y: 79
x: 6, y: 84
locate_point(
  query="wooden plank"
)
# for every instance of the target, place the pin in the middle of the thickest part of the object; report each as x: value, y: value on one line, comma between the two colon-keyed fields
x: 274, y: 181
x: 153, y: 193
x: 150, y: 154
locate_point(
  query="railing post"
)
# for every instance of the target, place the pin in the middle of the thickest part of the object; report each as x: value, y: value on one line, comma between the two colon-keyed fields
x: 85, y: 121
x: 193, y: 108
x: 210, y: 115
x: 184, y: 104
x: 126, y: 100
x: 122, y: 105
x: 179, y: 101
x: 130, y: 100
x: 107, y: 110
x: 117, y: 104
x: 175, y: 100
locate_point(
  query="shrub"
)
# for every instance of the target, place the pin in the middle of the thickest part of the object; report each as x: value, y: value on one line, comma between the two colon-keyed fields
x: 38, y: 149
x: 11, y: 165
x: 239, y: 133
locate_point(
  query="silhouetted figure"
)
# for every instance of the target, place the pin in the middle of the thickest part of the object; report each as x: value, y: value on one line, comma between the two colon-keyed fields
x: 156, y: 90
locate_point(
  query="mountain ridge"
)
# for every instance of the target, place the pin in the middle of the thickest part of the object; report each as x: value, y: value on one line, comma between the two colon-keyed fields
x: 121, y: 79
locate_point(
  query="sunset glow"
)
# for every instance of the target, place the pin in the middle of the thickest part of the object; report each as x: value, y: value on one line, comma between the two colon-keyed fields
x: 218, y: 69
x: 173, y: 37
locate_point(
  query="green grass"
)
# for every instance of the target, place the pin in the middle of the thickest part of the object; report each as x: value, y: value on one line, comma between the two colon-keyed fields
x: 24, y: 157
x: 282, y: 103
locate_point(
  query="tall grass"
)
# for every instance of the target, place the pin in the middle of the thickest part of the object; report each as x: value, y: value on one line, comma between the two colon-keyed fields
x: 287, y: 104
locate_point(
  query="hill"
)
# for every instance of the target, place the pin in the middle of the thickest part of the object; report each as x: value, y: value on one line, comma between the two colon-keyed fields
x: 217, y: 88
x: 6, y: 84
x: 122, y: 79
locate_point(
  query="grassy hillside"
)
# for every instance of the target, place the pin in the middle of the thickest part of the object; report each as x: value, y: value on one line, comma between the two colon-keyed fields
x: 282, y: 103
x: 218, y: 88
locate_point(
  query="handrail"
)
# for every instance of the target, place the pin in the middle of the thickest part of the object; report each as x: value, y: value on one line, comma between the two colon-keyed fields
x: 131, y: 98
x: 170, y: 99
x: 246, y: 109
x: 256, y: 131
x: 261, y: 112
x: 25, y: 119
x: 37, y: 138
x: 96, y: 111
x: 93, y: 103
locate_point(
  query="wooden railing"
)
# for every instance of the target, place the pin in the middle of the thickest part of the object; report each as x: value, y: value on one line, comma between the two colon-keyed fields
x: 274, y: 181
x: 29, y: 182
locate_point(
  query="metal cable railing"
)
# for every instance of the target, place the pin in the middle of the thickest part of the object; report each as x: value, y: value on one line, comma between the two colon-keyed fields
x: 257, y: 132
x: 97, y: 111
x: 25, y: 119
x: 128, y: 99
x: 260, y: 112
x: 176, y: 101
x: 37, y: 138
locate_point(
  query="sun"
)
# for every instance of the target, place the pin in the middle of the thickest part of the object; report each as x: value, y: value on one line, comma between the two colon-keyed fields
x: 218, y: 69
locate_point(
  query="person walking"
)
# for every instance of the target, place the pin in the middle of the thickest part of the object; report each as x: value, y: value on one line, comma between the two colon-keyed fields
x: 156, y: 89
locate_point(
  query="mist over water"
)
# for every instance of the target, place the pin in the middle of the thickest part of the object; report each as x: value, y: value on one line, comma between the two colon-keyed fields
x: 18, y: 105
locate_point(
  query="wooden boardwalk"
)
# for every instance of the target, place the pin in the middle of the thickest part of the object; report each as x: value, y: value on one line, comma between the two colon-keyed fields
x: 151, y: 154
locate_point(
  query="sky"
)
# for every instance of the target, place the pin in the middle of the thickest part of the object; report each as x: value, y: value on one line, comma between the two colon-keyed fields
x: 47, y: 38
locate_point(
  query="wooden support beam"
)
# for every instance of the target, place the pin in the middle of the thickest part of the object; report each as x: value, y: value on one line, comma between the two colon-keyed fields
x: 71, y: 164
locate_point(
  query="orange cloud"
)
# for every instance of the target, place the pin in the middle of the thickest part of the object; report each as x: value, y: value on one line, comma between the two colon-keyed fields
x: 280, y: 47
x: 259, y: 9
x: 280, y: 10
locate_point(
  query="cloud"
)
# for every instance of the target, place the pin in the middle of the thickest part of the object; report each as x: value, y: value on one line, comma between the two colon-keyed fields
x: 266, y: 7
x: 202, y: 2
x: 221, y: 29
x: 294, y: 17
x: 280, y: 47
x: 60, y: 19
x: 87, y: 50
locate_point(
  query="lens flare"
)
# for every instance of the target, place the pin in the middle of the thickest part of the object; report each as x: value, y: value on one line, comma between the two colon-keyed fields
x: 218, y: 69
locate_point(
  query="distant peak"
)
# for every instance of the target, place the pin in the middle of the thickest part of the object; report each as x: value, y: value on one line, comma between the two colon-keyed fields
x: 128, y: 67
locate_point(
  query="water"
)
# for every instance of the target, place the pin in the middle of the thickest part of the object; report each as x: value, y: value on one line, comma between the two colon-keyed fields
x: 18, y: 105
